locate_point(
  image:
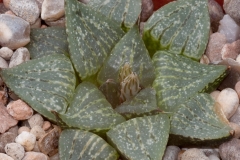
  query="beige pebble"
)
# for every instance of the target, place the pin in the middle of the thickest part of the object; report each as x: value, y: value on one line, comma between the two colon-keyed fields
x: 229, y: 101
x: 237, y: 88
x: 236, y: 129
x: 52, y: 10
x: 10, y: 13
x: 37, y: 131
x: 27, y: 140
x: 204, y: 59
x: 5, y: 157
x: 55, y: 157
x: 19, y: 56
x: 19, y: 110
x: 37, y: 24
x: 46, y: 125
x: 36, y: 148
x: 171, y: 153
x: 6, y: 53
x: 194, y: 154
x: 213, y: 157
x: 35, y: 156
x: 15, y: 150
x: 44, y: 26
x: 59, y: 23
x: 214, y: 47
x: 5, y: 138
x: 230, y: 150
x: 35, y: 120
x: 3, y: 63
x: 6, y: 3
x: 23, y: 128
x: 215, y: 94
x: 231, y: 50
x: 14, y: 130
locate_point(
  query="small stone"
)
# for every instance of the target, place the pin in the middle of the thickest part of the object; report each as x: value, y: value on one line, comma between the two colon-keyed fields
x: 6, y: 53
x: 59, y: 23
x: 3, y: 63
x: 44, y: 26
x: 213, y: 157
x: 14, y: 31
x: 5, y: 157
x: 46, y: 125
x: 229, y: 101
x: 237, y: 88
x: 10, y: 13
x: 194, y: 154
x: 147, y: 10
x: 214, y: 47
x: 236, y: 129
x: 3, y: 97
x: 238, y: 58
x: 19, y: 110
x: 6, y: 138
x: 171, y: 153
x: 37, y: 131
x: 231, y: 7
x: 6, y: 3
x: 6, y: 120
x: 14, y: 130
x: 230, y: 150
x: 204, y: 59
x: 27, y: 140
x: 19, y: 56
x: 26, y: 9
x: 35, y: 156
x: 39, y: 2
x: 49, y: 142
x: 210, y: 151
x: 36, y: 148
x: 215, y: 13
x: 35, y: 120
x: 55, y: 157
x: 15, y: 150
x: 52, y: 10
x: 215, y: 94
x: 231, y: 50
x: 23, y: 128
x: 229, y: 28
x: 37, y: 24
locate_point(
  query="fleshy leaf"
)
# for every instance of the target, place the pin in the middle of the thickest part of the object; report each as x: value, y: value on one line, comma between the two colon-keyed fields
x: 141, y: 138
x: 178, y: 78
x: 45, y: 83
x: 199, y: 121
x: 144, y: 103
x: 126, y: 13
x: 91, y: 37
x: 90, y: 110
x: 181, y: 27
x: 77, y: 144
x: 132, y: 50
x: 51, y: 40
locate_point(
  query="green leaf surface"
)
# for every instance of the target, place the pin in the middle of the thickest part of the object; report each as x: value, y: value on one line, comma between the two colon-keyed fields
x: 199, y: 121
x: 178, y: 78
x: 125, y: 12
x: 144, y: 103
x: 141, y: 138
x: 90, y: 110
x: 130, y: 49
x: 91, y: 37
x: 45, y: 83
x: 51, y: 40
x: 77, y: 144
x: 181, y: 27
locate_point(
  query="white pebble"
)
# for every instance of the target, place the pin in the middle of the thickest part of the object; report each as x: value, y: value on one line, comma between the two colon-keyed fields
x: 6, y: 53
x: 215, y: 94
x: 171, y: 152
x: 15, y: 150
x: 19, y: 56
x: 213, y: 157
x: 37, y: 131
x: 14, y: 31
x: 229, y: 101
x: 27, y: 140
x: 52, y: 10
x: 23, y: 128
x: 194, y: 154
x: 3, y: 63
x: 229, y: 28
x: 36, y: 120
x: 5, y: 157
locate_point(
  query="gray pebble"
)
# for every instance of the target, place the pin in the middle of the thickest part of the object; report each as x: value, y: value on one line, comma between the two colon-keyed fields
x: 6, y: 53
x: 19, y: 56
x: 230, y: 150
x: 231, y: 7
x: 171, y: 153
x: 52, y: 10
x: 15, y: 150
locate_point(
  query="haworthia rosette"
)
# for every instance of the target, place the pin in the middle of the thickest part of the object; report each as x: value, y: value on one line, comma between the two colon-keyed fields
x: 46, y: 84
x: 144, y: 103
x: 90, y: 110
x: 126, y: 12
x: 199, y: 121
x: 77, y: 144
x: 51, y: 40
x: 91, y: 37
x: 141, y: 138
x: 178, y: 78
x: 181, y: 27
x: 132, y: 50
